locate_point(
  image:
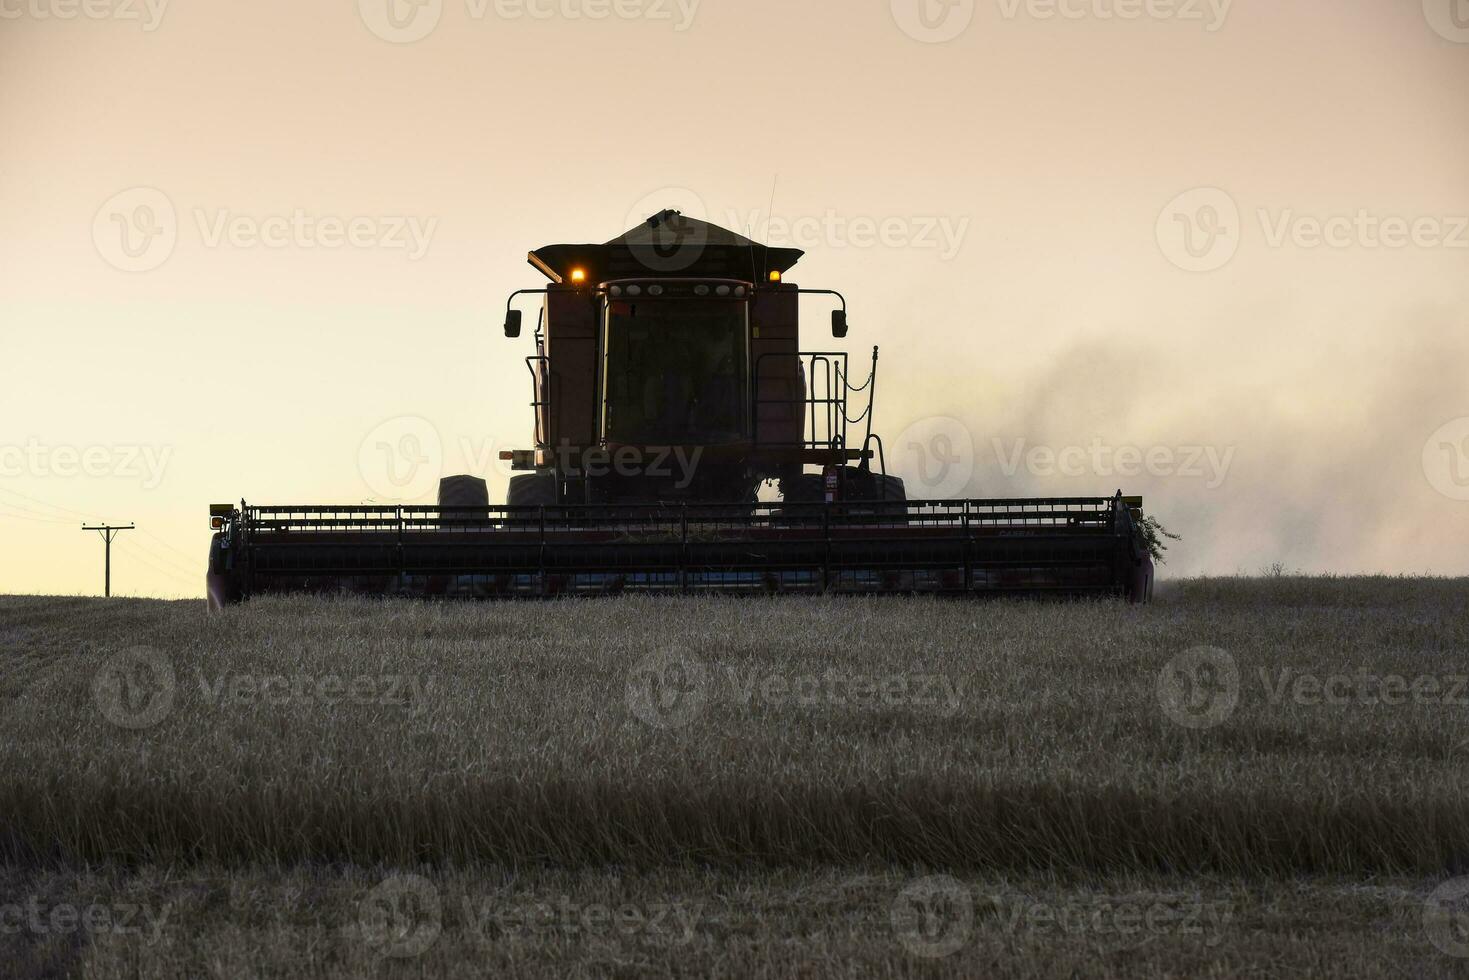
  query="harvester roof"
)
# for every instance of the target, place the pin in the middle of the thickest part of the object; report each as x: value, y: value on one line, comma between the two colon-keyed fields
x: 668, y: 244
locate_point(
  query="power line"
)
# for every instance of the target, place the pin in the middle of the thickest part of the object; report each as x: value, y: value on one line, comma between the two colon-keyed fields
x: 182, y: 569
x: 185, y: 561
x: 161, y: 562
x: 36, y: 500
x: 182, y: 564
x: 108, y: 532
x: 191, y: 559
x: 36, y: 519
x: 143, y: 556
x: 26, y: 509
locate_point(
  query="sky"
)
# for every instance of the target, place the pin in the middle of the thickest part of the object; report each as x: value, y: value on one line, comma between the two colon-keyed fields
x: 1213, y: 253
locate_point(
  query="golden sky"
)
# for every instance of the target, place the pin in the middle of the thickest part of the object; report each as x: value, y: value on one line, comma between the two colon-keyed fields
x: 1215, y: 253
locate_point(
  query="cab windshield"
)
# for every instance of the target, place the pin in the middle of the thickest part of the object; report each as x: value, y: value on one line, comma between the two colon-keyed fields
x: 675, y: 372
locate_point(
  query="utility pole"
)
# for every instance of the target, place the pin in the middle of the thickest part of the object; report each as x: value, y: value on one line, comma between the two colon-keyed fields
x: 108, y: 533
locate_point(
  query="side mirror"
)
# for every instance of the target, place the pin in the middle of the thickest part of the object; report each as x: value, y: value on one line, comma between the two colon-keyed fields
x: 512, y: 323
x: 838, y: 323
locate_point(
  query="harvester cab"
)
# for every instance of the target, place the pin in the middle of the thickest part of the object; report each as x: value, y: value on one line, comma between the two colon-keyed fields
x: 669, y: 383
x: 668, y: 367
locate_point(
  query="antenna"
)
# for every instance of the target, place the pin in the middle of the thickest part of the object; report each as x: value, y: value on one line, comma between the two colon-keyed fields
x: 769, y: 213
x: 750, y: 237
x: 108, y: 533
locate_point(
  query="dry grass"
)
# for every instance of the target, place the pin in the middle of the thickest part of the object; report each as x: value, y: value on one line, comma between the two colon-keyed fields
x: 1021, y: 748
x: 309, y: 922
x: 1044, y: 745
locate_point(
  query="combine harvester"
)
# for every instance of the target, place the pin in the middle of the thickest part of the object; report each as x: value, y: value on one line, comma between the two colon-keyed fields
x: 669, y: 385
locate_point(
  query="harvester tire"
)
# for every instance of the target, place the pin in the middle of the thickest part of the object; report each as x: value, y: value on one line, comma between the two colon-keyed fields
x: 810, y: 488
x: 888, y: 487
x: 866, y: 485
x: 532, y: 490
x: 801, y: 488
x: 463, y: 491
x: 806, y: 488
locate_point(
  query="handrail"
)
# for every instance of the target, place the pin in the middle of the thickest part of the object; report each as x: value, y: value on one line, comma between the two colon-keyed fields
x: 824, y: 404
x: 541, y: 395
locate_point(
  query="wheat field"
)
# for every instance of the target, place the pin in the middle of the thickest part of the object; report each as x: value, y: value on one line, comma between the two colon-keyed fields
x: 1249, y: 776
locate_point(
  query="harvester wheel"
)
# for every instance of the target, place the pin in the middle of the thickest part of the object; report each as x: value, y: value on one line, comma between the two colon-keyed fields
x: 804, y: 488
x: 865, y: 485
x: 532, y: 490
x: 463, y: 491
x: 888, y: 487
x: 463, y: 500
x: 810, y: 488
